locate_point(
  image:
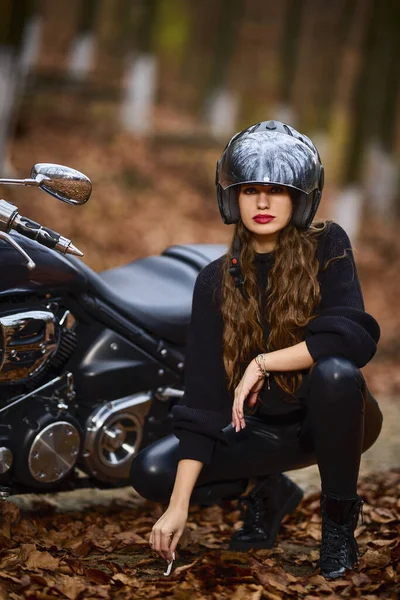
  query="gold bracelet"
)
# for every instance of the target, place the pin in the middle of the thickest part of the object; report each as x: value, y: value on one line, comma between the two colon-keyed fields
x: 261, y: 357
x: 260, y: 366
x: 258, y: 359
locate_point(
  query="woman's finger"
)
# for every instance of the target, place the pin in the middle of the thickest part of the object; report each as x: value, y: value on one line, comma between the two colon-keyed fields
x: 237, y: 413
x: 251, y: 395
x: 240, y: 402
x: 157, y: 541
x: 174, y: 543
x: 152, y: 543
x: 238, y: 405
x: 236, y: 410
x: 165, y: 543
x: 234, y: 413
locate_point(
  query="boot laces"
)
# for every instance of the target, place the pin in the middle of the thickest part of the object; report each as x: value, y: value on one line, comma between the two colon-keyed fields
x: 254, y: 506
x: 337, y: 539
x: 250, y: 510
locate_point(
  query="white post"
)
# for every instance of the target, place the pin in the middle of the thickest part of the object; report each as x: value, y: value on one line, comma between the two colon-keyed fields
x: 139, y: 94
x: 223, y: 111
x: 30, y: 44
x: 347, y: 208
x: 8, y: 79
x: 381, y: 175
x: 81, y: 56
x: 14, y: 69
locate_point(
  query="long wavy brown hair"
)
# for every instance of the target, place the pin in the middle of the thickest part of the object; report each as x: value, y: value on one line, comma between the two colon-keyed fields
x: 292, y: 300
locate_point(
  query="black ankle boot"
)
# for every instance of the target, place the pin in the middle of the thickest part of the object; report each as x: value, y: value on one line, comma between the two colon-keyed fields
x: 339, y: 550
x: 266, y: 505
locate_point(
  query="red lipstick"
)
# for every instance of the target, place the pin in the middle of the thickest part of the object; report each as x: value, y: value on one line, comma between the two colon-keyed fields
x: 263, y: 218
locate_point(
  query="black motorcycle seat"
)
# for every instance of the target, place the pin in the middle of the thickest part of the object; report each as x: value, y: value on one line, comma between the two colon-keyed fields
x: 198, y: 255
x: 156, y: 291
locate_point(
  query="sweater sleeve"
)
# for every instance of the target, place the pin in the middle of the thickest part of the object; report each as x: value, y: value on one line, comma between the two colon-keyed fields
x: 206, y: 406
x: 342, y: 326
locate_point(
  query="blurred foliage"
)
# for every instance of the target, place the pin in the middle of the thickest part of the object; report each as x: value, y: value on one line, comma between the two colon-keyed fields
x: 189, y: 74
x: 171, y: 22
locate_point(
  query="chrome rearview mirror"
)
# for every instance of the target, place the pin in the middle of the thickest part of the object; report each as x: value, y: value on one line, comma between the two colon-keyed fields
x: 62, y: 182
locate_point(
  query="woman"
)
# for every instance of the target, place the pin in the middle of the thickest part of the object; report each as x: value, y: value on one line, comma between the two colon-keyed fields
x: 278, y: 322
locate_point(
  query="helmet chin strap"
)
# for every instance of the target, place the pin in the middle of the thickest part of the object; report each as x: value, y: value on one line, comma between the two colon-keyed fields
x: 235, y: 270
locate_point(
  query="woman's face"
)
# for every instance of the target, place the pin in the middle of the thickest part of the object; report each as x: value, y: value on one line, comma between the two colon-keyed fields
x: 257, y: 201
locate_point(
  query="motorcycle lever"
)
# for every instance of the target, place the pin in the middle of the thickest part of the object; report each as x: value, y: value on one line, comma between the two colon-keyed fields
x: 30, y: 264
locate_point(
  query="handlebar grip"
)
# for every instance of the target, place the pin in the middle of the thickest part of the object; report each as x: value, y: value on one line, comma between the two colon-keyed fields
x: 35, y: 231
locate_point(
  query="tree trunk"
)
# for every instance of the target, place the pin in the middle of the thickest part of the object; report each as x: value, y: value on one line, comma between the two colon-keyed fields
x: 141, y: 74
x: 82, y: 50
x: 348, y: 203
x: 221, y: 100
x: 381, y: 171
x: 12, y: 69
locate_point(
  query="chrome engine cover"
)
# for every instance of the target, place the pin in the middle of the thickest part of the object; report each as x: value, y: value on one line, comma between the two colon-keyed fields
x: 28, y: 339
x: 54, y: 452
x: 6, y: 459
x: 114, y: 433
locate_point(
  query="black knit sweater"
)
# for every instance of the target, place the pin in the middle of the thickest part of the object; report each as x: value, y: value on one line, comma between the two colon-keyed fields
x: 341, y: 327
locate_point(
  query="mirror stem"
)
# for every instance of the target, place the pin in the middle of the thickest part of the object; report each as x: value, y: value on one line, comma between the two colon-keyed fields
x: 35, y: 182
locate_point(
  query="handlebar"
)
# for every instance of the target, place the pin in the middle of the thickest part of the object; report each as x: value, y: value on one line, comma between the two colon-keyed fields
x: 11, y: 219
x: 45, y: 236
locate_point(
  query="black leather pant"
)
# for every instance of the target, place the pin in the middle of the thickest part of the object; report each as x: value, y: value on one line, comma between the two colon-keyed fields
x: 341, y: 421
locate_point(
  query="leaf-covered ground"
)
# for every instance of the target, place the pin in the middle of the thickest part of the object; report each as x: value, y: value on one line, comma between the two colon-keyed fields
x: 102, y: 552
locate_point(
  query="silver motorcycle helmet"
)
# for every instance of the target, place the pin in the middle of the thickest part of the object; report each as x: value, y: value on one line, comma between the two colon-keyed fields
x: 271, y: 152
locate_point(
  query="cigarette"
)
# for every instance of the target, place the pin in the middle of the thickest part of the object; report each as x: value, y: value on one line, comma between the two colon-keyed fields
x: 169, y: 568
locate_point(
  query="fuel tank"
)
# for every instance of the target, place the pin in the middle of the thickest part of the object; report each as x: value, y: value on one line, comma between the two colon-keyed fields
x: 53, y: 272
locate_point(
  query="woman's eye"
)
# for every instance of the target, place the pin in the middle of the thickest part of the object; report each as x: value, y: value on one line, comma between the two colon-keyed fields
x: 277, y: 189
x: 250, y: 190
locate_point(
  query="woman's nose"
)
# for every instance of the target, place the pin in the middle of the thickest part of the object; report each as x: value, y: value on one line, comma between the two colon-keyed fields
x: 263, y: 199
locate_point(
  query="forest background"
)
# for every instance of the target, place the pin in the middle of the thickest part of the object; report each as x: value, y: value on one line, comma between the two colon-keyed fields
x: 142, y: 96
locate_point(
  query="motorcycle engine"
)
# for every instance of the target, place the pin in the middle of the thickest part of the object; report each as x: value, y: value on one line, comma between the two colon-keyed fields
x: 113, y: 436
x: 29, y: 338
x: 40, y: 438
x: 33, y: 342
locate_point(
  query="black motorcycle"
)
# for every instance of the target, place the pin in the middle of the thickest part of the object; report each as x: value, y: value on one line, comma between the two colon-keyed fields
x: 90, y: 363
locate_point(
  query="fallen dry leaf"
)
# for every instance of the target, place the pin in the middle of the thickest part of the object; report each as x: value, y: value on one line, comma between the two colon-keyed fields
x: 71, y: 587
x: 373, y: 559
x: 183, y: 568
x: 97, y: 576
x: 34, y: 559
x: 131, y: 537
x: 383, y: 515
x: 129, y: 580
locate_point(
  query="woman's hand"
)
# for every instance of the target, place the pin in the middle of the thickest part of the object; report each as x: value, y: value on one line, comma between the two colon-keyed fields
x: 170, y: 525
x: 250, y: 385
